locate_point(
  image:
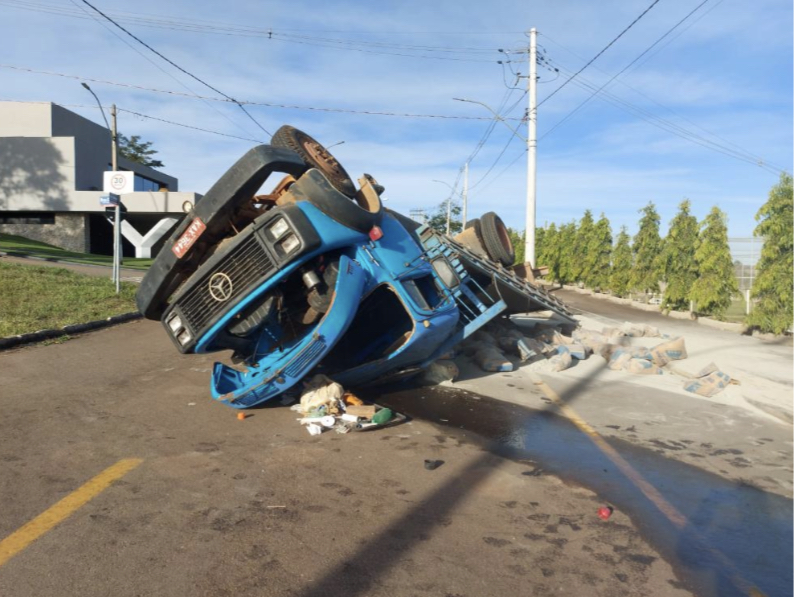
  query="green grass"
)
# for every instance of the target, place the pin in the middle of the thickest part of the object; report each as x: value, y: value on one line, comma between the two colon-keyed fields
x: 24, y: 246
x: 36, y: 298
x: 736, y: 312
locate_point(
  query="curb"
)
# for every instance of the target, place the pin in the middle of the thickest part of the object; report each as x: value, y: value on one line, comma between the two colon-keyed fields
x: 726, y: 326
x: 78, y: 328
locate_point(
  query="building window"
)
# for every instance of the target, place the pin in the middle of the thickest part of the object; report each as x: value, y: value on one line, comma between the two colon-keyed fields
x: 27, y: 217
x: 143, y: 184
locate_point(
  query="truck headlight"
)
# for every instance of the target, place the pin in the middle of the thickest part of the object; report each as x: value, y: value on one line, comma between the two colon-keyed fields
x: 184, y: 337
x: 279, y: 227
x: 175, y: 323
x: 289, y: 244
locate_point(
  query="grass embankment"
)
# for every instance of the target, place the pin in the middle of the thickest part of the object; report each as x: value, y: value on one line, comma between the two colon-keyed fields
x: 24, y: 246
x: 36, y: 298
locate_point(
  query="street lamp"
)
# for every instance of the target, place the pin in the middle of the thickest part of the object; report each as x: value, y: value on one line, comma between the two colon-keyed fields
x: 116, y: 276
x: 101, y: 110
x: 449, y: 200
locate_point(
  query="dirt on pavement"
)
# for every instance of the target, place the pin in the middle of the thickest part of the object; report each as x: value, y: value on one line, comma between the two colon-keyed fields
x: 258, y: 507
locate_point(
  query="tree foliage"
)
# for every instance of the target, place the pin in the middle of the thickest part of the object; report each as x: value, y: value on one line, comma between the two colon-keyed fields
x: 550, y: 252
x: 596, y: 272
x: 772, y: 289
x: 677, y: 264
x: 566, y: 240
x: 438, y: 218
x: 579, y: 249
x: 715, y: 283
x: 622, y: 264
x: 138, y: 151
x: 518, y: 241
x: 646, y: 248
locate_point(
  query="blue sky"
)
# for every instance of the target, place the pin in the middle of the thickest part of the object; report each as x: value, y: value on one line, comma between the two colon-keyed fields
x: 726, y: 71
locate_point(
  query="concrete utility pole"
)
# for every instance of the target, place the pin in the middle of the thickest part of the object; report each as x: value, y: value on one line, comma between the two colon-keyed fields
x: 532, y: 114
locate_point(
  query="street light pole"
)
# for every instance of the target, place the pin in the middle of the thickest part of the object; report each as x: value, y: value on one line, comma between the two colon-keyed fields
x: 116, y: 220
x: 449, y: 203
x: 116, y: 270
x: 464, y: 194
x: 532, y: 114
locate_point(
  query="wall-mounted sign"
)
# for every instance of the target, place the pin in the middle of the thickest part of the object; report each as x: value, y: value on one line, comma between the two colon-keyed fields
x: 119, y: 182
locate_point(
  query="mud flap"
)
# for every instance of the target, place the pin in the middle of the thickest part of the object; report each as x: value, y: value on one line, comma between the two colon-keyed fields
x: 282, y: 369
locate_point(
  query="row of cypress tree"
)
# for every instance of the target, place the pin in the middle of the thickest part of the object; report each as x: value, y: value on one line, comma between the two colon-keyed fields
x: 693, y: 261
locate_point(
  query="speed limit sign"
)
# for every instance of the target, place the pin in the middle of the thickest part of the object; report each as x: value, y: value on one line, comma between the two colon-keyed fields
x: 119, y: 182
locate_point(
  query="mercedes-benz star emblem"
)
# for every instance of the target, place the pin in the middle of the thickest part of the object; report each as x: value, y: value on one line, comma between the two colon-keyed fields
x: 220, y: 287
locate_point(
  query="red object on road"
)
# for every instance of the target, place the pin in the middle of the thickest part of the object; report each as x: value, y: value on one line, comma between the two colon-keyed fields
x: 605, y: 512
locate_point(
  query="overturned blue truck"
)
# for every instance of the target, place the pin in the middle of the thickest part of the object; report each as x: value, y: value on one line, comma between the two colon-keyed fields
x: 317, y: 276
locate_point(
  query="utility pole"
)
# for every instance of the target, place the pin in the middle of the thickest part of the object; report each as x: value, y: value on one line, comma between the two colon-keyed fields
x: 532, y: 113
x: 116, y: 223
x: 464, y: 195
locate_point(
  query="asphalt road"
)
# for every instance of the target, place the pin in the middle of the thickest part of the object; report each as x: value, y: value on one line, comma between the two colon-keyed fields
x: 219, y: 506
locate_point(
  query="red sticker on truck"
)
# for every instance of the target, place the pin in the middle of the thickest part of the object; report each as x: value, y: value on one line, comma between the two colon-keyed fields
x: 188, y: 237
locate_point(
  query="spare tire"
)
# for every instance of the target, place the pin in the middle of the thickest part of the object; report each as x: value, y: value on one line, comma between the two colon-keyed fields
x: 496, y: 239
x: 315, y: 156
x: 471, y: 223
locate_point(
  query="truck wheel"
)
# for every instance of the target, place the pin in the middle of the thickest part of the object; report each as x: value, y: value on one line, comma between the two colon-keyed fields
x: 472, y: 223
x: 315, y: 156
x: 496, y: 239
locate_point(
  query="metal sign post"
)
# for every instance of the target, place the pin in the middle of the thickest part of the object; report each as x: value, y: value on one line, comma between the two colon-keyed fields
x: 113, y: 200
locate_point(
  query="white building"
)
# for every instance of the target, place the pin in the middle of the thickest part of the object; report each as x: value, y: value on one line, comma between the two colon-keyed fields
x: 51, y: 178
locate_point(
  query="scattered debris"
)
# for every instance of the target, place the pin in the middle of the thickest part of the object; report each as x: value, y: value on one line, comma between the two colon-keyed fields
x: 241, y: 416
x: 440, y: 371
x: 605, y: 512
x: 489, y: 358
x: 432, y: 465
x: 709, y: 381
x: 673, y: 350
x: 326, y: 405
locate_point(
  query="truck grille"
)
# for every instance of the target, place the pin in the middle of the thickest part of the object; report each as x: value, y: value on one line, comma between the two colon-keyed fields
x: 246, y: 265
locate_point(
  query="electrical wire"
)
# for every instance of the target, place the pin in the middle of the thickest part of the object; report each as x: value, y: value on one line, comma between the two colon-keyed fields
x: 152, y: 62
x: 249, y: 102
x: 187, y: 126
x: 602, y: 51
x: 623, y: 70
x: 178, y: 67
x: 369, y: 51
x: 757, y: 159
x: 198, y: 26
x: 139, y: 114
x: 676, y: 129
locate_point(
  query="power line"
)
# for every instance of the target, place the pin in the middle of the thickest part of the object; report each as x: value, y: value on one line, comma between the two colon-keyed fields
x: 196, y: 26
x: 623, y: 70
x: 147, y: 116
x: 249, y: 102
x: 187, y: 126
x: 215, y: 27
x: 602, y: 51
x: 152, y: 62
x: 175, y: 65
x: 757, y: 160
x: 675, y: 129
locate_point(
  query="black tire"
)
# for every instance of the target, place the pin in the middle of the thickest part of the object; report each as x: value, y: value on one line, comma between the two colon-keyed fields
x: 315, y: 156
x: 471, y: 223
x: 496, y: 239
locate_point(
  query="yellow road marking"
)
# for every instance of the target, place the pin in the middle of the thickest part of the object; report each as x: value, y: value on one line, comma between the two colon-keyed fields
x: 28, y: 533
x: 663, y: 505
